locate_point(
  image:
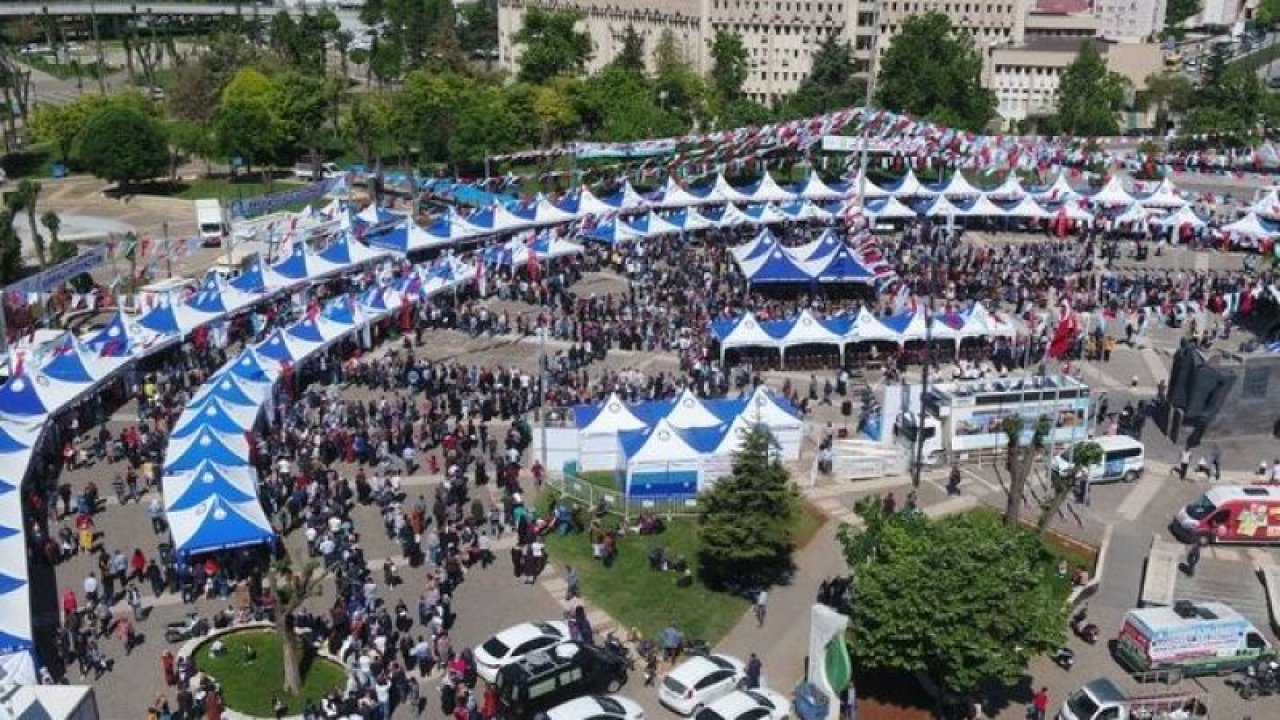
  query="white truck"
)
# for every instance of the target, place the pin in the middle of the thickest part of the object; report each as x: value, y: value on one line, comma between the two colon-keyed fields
x: 211, y: 222
x: 308, y: 170
x: 1103, y: 700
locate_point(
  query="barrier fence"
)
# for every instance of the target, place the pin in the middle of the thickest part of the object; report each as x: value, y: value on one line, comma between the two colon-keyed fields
x: 592, y: 493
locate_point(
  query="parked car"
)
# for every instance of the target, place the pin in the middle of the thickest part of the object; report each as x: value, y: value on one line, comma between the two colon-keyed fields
x: 699, y: 681
x: 757, y: 704
x: 514, y: 643
x: 597, y: 707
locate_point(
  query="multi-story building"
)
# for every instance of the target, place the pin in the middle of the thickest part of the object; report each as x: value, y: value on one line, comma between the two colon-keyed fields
x: 1130, y: 21
x: 1022, y: 51
x: 1025, y: 76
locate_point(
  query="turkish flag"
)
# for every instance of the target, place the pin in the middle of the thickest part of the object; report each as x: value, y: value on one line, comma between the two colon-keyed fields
x: 1065, y: 334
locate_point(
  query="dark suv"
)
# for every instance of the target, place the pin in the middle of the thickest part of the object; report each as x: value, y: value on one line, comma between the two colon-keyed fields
x: 545, y: 679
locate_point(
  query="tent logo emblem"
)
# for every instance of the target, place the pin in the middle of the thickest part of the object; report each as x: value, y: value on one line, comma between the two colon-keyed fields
x: 615, y: 407
x: 664, y: 434
x: 207, y: 477
x: 42, y: 381
x: 688, y: 402
x: 748, y: 323
x: 806, y: 321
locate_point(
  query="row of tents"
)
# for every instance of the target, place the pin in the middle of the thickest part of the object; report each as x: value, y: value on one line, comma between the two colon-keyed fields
x: 55, y: 376
x: 827, y: 260
x: 677, y: 447
x: 840, y: 331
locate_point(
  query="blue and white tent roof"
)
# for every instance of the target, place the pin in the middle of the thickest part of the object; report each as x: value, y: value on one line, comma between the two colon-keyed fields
x: 374, y: 215
x: 869, y: 190
x: 282, y: 348
x: 72, y: 363
x: 250, y: 367
x: 349, y: 253
x: 607, y: 418
x: 775, y: 267
x: 767, y: 190
x: 317, y: 330
x: 690, y: 220
x: 213, y: 414
x: 217, y: 524
x: 724, y: 192
x: 906, y: 186
x: 31, y: 397
x: 672, y: 195
x: 186, y: 453
x: 405, y: 237
x: 258, y: 278
x: 815, y: 189
x: 664, y: 443
x: 626, y: 198
x: 302, y: 264
x: 654, y: 225
x: 232, y: 388
x: 15, y: 603
x: 688, y: 411
x: 805, y: 329
x: 235, y: 484
x: 112, y: 339
x: 613, y: 232
x: 743, y: 331
x: 175, y: 318
x: 345, y: 311
x: 221, y: 300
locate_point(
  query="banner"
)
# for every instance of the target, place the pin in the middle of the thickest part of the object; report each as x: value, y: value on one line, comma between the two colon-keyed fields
x: 263, y: 204
x: 56, y: 276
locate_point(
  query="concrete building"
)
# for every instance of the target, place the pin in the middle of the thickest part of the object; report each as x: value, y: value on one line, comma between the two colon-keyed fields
x: 1023, y: 50
x: 1025, y: 76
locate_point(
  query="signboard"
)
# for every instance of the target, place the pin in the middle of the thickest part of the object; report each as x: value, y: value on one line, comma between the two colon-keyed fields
x: 56, y: 276
x: 841, y: 143
x: 251, y: 207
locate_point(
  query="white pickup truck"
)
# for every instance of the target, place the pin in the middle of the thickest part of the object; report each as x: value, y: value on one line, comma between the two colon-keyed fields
x: 1102, y: 700
x: 316, y: 171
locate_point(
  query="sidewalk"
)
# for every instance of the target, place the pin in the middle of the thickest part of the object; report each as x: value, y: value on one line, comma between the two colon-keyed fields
x: 783, y: 642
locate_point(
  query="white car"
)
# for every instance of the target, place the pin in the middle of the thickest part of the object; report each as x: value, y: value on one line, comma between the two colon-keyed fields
x: 597, y: 707
x: 757, y: 704
x: 698, y: 681
x: 511, y: 645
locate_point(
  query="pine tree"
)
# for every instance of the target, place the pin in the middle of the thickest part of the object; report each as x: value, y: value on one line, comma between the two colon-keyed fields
x: 747, y: 520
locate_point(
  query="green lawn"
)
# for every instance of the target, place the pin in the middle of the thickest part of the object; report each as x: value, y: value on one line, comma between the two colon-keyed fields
x: 66, y: 71
x: 250, y: 687
x: 636, y: 596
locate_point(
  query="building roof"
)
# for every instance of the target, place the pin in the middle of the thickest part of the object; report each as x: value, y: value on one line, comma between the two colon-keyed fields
x: 1063, y: 7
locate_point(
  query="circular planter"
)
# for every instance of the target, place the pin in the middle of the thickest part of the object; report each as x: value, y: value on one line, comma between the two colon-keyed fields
x: 267, y: 665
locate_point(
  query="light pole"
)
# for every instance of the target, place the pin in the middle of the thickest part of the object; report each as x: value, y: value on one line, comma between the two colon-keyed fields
x: 542, y: 393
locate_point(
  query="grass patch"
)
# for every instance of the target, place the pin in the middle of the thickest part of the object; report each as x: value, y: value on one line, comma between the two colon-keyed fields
x: 89, y: 70
x: 220, y: 188
x: 638, y: 597
x: 1079, y: 555
x: 250, y: 688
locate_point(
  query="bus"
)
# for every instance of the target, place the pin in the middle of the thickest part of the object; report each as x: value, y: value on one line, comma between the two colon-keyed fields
x: 967, y: 417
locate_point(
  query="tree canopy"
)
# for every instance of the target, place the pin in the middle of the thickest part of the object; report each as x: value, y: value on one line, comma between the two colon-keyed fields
x: 1089, y: 95
x: 832, y: 83
x: 962, y: 599
x: 123, y: 145
x: 932, y: 70
x: 729, y: 65
x: 631, y: 56
x: 747, y: 519
x: 552, y: 45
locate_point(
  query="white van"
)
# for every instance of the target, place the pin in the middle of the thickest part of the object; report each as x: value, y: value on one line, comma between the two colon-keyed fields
x: 211, y: 222
x: 1123, y: 458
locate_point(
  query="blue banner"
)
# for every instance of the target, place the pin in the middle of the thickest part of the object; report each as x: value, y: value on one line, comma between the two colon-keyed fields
x: 263, y: 204
x: 59, y: 274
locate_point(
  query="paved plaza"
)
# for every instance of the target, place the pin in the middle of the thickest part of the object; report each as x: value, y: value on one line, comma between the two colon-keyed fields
x: 1127, y: 518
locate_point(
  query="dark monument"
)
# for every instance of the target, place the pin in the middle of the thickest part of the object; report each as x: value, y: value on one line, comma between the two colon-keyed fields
x: 1222, y: 393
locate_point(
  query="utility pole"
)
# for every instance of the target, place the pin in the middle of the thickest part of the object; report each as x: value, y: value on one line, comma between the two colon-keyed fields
x: 924, y: 388
x: 866, y: 107
x: 97, y: 42
x: 168, y: 251
x: 542, y: 392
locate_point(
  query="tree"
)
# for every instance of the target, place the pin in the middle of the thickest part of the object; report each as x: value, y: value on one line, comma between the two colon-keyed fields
x: 1178, y: 11
x: 1089, y: 95
x: 301, y: 103
x: 61, y: 125
x: 832, y: 83
x: 1019, y: 464
x: 962, y: 599
x: 631, y: 56
x: 59, y: 251
x: 365, y: 125
x: 193, y: 94
x: 746, y: 520
x: 27, y: 197
x: 246, y: 123
x: 678, y: 89
x: 292, y: 588
x: 1083, y: 455
x: 552, y: 45
x: 618, y: 106
x: 123, y: 145
x: 729, y: 65
x: 932, y: 70
x: 1230, y: 105
x: 10, y: 248
x: 478, y: 29
x: 1169, y: 92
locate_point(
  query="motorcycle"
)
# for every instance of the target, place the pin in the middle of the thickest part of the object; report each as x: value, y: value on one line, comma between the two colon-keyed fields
x: 193, y: 626
x: 1064, y: 658
x: 614, y: 646
x: 1082, y: 628
x: 1258, y: 680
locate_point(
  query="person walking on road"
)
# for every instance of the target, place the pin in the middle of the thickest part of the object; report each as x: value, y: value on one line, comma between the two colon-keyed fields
x: 753, y: 672
x: 1040, y: 704
x: 1184, y: 462
x: 761, y: 606
x: 571, y: 589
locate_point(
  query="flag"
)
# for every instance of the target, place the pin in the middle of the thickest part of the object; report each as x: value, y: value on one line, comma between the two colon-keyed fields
x: 535, y: 272
x: 1065, y: 334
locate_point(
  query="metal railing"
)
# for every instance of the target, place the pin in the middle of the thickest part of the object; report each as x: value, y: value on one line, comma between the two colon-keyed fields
x: 615, y: 501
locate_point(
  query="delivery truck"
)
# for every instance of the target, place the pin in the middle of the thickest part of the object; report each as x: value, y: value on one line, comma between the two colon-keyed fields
x: 211, y: 222
x: 1231, y: 514
x: 1189, y: 639
x: 1103, y: 700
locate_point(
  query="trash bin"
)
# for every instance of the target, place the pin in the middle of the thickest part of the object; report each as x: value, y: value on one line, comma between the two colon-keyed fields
x: 810, y: 702
x: 59, y: 170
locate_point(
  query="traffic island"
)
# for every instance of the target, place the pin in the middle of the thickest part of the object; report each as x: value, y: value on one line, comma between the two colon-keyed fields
x: 249, y: 670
